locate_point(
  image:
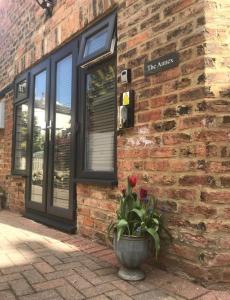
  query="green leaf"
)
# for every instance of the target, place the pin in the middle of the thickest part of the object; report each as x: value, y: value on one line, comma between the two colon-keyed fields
x: 156, y: 238
x: 120, y: 231
x: 140, y: 212
x: 155, y: 220
x: 121, y: 225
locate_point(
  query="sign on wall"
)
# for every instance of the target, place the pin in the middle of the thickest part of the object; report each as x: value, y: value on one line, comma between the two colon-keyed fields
x: 163, y: 63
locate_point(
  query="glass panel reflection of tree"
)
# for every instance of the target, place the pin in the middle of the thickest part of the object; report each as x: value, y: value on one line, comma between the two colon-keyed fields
x: 61, y: 179
x: 38, y: 137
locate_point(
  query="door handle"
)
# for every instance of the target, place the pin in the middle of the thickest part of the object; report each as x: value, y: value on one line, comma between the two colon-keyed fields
x: 49, y: 126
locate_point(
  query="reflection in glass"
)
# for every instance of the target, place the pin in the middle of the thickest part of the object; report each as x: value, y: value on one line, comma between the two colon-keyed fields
x: 100, y: 114
x: 61, y: 179
x: 21, y: 136
x: 22, y: 89
x: 38, y: 137
x: 96, y: 42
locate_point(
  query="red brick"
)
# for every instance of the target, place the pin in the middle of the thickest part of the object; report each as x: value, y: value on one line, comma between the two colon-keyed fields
x: 219, y: 197
x: 138, y: 39
x: 149, y: 116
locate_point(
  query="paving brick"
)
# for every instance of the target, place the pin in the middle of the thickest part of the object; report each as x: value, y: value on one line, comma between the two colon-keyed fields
x: 95, y: 249
x: 51, y: 284
x: 106, y: 271
x: 35, y: 245
x: 111, y: 258
x: 143, y: 285
x: 117, y: 295
x: 68, y: 266
x: 215, y: 295
x: 79, y: 282
x: 7, y: 295
x: 44, y: 252
x: 17, y: 258
x: 89, y: 275
x: 100, y: 297
x: 99, y: 261
x: 33, y: 276
x: 184, y: 288
x: 77, y: 253
x: 70, y: 293
x: 4, y: 286
x: 21, y: 287
x: 102, y: 253
x: 16, y: 269
x: 72, y: 259
x: 89, y: 263
x: 98, y: 290
x: 5, y: 261
x: 52, y: 260
x: 106, y: 278
x: 156, y: 295
x: 43, y: 267
x: 59, y: 274
x: 126, y: 287
x: 51, y: 294
x: 10, y: 277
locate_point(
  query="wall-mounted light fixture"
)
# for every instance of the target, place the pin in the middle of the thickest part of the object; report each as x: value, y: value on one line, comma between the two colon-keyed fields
x: 47, y: 5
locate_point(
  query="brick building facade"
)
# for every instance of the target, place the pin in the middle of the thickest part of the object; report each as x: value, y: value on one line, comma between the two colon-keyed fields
x: 179, y: 146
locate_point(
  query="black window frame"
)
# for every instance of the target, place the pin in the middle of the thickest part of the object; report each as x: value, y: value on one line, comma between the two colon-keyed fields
x: 82, y: 66
x: 108, y: 22
x: 17, y: 102
x: 98, y: 58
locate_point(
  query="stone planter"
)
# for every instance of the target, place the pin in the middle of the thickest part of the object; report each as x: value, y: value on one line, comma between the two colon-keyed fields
x: 131, y: 253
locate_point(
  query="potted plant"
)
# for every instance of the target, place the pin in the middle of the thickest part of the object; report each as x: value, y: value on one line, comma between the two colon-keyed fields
x: 137, y: 225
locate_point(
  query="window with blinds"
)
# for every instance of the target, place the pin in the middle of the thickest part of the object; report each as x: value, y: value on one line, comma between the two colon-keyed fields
x: 97, y: 106
x: 100, y: 118
x: 21, y: 137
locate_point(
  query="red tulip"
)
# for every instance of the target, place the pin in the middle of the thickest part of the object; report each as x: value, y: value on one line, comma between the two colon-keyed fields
x: 143, y: 193
x: 123, y: 192
x: 133, y: 180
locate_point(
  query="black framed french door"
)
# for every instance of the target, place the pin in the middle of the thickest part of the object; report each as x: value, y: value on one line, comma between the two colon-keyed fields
x: 50, y: 187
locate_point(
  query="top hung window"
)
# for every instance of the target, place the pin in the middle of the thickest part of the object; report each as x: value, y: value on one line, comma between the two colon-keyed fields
x: 21, y: 88
x: 98, y: 41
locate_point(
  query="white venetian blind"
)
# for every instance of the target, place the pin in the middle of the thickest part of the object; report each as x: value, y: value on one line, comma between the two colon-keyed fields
x: 100, y: 123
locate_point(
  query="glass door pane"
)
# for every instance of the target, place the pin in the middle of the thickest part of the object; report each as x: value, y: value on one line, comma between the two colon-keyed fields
x: 38, y: 138
x: 62, y: 133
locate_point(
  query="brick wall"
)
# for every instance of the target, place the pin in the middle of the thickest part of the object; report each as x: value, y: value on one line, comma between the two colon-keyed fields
x: 179, y: 147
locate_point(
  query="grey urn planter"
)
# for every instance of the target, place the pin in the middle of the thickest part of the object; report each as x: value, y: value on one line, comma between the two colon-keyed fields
x: 131, y: 252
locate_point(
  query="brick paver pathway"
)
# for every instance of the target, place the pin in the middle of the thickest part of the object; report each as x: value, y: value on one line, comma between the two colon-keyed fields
x: 37, y: 262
